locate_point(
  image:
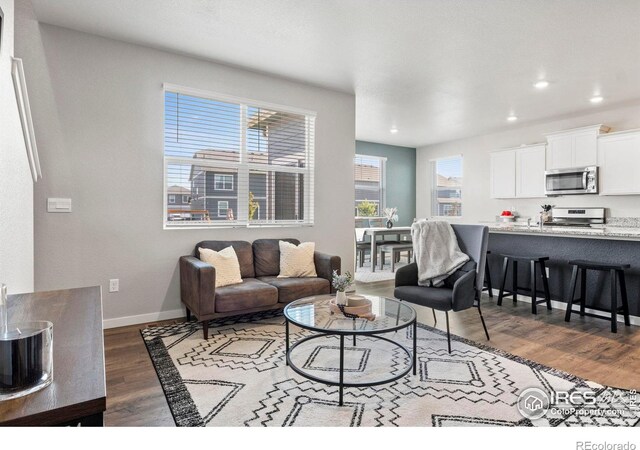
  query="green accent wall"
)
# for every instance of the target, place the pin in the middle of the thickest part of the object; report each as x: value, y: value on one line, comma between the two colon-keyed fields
x: 401, y: 176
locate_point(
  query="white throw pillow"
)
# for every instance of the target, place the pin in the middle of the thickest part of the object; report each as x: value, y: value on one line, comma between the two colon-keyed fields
x: 297, y: 260
x: 226, y: 264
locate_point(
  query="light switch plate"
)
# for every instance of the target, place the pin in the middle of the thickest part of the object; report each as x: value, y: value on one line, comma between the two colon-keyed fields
x: 59, y: 205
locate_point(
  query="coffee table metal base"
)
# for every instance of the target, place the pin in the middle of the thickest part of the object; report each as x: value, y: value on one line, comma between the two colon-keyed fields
x: 341, y: 383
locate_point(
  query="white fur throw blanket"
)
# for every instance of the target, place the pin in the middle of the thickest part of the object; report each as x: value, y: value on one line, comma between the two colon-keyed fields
x: 436, y: 251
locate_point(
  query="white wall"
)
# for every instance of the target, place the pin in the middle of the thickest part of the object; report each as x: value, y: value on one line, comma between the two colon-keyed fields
x: 16, y: 184
x: 477, y: 206
x: 99, y: 108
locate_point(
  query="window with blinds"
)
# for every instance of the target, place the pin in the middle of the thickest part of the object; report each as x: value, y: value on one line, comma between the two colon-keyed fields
x: 446, y: 189
x: 370, y: 178
x: 238, y: 162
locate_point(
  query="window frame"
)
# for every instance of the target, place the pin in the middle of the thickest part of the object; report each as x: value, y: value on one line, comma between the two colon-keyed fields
x: 223, y: 188
x: 226, y: 210
x: 383, y: 183
x: 172, y: 199
x: 185, y: 199
x: 434, y: 181
x: 242, y: 214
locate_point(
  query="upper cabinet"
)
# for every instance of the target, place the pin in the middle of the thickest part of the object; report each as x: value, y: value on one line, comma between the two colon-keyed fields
x: 518, y: 172
x: 619, y: 158
x: 530, y: 167
x: 503, y: 174
x: 574, y: 148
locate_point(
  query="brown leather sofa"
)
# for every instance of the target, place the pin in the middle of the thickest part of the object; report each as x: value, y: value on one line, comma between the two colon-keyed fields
x: 260, y: 290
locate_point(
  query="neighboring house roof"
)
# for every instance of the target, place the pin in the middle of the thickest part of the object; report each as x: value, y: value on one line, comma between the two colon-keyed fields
x: 226, y: 156
x: 265, y: 118
x: 365, y: 172
x: 450, y: 200
x: 179, y: 190
x: 449, y: 181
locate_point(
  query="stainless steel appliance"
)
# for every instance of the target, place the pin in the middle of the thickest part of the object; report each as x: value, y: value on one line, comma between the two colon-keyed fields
x: 579, y: 180
x: 577, y: 217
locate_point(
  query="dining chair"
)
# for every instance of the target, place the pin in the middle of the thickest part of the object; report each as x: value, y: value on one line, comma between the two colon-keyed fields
x: 363, y: 242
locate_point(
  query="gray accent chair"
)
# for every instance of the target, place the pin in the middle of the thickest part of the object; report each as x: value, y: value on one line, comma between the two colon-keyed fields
x: 462, y: 289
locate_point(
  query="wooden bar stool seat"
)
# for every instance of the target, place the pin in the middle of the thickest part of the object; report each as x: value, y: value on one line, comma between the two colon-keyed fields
x: 616, y: 275
x: 537, y: 264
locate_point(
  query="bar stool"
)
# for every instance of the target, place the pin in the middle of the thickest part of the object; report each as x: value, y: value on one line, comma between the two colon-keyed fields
x: 534, y: 262
x: 487, y: 277
x: 615, y: 271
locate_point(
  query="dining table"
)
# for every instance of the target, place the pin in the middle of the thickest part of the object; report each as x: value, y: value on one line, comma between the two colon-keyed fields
x: 374, y: 232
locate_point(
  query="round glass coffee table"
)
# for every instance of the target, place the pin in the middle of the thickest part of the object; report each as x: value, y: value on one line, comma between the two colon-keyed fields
x: 314, y: 314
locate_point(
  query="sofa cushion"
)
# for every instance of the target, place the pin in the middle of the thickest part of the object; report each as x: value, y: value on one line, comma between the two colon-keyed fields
x: 243, y: 251
x: 290, y: 289
x: 226, y: 264
x: 297, y: 261
x: 266, y: 256
x: 250, y: 294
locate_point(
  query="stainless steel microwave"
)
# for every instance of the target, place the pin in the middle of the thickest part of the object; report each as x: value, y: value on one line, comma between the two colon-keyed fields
x: 579, y: 180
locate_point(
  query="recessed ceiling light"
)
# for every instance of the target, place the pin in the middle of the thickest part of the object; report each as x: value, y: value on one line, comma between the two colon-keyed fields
x: 512, y: 118
x: 393, y: 130
x: 541, y: 84
x: 596, y: 99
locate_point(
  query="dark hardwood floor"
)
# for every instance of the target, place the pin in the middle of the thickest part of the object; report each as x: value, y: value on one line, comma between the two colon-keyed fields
x: 584, y: 347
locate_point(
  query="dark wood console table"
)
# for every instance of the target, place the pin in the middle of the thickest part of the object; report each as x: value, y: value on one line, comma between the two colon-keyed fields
x: 78, y: 392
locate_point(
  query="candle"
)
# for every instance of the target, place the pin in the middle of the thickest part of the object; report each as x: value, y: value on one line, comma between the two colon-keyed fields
x: 25, y: 358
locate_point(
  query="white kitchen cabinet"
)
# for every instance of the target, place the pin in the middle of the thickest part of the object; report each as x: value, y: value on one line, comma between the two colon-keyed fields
x: 619, y: 158
x: 518, y: 172
x: 503, y: 174
x: 574, y: 148
x: 560, y: 152
x: 530, y: 167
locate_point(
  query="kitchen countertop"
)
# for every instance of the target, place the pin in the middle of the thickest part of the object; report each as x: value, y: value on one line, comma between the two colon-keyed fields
x: 601, y: 232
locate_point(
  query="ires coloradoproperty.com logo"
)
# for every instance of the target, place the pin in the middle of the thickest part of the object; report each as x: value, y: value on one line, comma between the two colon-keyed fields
x: 535, y: 403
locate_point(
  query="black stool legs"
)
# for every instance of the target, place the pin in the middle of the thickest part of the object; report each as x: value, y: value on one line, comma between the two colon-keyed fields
x: 616, y: 277
x: 625, y: 300
x: 488, y: 286
x: 536, y: 264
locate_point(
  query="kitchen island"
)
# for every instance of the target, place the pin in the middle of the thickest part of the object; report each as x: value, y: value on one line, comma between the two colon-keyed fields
x: 617, y: 233
x: 562, y: 244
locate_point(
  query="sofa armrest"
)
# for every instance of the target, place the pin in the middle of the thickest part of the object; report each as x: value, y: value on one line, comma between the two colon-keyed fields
x: 325, y: 265
x: 407, y: 275
x: 464, y: 291
x: 197, y: 285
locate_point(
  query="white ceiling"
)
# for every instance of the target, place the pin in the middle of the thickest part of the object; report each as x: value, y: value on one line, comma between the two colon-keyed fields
x: 436, y: 69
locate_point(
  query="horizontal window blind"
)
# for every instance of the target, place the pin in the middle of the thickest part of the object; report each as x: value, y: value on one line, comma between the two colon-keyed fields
x: 239, y: 164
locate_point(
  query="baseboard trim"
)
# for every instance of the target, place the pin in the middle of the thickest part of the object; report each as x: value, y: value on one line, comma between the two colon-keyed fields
x: 555, y: 304
x: 142, y: 318
x: 177, y: 313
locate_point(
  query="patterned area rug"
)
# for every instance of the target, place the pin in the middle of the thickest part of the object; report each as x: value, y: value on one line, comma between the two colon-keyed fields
x: 239, y: 378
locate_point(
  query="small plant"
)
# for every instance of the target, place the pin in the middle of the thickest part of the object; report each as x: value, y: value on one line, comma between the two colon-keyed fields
x: 546, y: 208
x: 253, y: 206
x: 341, y: 282
x: 391, y: 214
x: 367, y: 208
